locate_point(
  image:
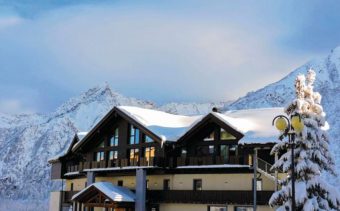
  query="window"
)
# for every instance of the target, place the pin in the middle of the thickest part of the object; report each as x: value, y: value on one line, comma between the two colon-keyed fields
x: 224, y: 153
x: 226, y: 136
x: 166, y: 184
x: 239, y: 208
x: 233, y: 149
x: 134, y: 135
x: 114, y: 138
x: 205, y: 150
x: 211, y: 149
x: 210, y: 137
x: 71, y: 186
x: 134, y: 154
x: 113, y: 155
x: 147, y: 184
x: 120, y: 183
x: 259, y: 184
x: 197, y: 184
x: 217, y: 208
x: 184, y: 153
x: 147, y: 139
x: 99, y: 156
x: 149, y: 153
x: 102, y: 144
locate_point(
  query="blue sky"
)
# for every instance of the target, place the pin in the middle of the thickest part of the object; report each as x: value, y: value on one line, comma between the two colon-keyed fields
x: 157, y: 50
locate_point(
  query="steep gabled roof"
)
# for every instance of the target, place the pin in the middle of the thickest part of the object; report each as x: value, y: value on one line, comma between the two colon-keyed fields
x: 215, y: 117
x: 158, y: 125
x: 113, y: 192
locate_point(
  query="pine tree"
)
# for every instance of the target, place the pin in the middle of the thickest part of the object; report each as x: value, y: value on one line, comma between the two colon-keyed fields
x: 312, y: 155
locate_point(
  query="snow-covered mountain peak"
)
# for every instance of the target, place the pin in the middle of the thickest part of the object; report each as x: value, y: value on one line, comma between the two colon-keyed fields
x: 278, y: 94
x: 282, y: 92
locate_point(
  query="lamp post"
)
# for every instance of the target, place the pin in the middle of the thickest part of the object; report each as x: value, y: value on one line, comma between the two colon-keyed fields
x: 290, y: 128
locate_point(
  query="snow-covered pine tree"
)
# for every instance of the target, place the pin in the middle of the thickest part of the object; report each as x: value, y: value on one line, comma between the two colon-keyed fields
x: 312, y: 155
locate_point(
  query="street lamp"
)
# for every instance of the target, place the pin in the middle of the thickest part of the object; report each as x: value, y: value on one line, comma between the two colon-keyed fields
x: 290, y: 128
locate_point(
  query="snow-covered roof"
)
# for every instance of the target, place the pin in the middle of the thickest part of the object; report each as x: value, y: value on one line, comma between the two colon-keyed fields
x: 168, y: 127
x: 56, y: 158
x: 115, y: 193
x: 255, y: 124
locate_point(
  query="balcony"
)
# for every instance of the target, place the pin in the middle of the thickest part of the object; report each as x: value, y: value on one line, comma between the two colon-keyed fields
x: 118, y: 163
x: 206, y: 160
x: 208, y: 196
x: 172, y: 162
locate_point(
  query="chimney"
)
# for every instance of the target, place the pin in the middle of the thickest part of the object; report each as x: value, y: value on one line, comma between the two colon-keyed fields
x: 215, y: 109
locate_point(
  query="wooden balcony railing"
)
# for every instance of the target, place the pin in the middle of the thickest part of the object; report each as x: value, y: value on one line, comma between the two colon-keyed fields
x: 157, y: 161
x: 116, y: 163
x: 208, y: 196
x: 207, y: 160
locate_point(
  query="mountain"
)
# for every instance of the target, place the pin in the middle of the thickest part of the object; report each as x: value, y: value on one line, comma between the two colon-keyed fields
x: 28, y: 141
x: 280, y: 93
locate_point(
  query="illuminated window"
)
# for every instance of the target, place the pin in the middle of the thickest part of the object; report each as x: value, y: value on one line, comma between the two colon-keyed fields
x: 114, y: 138
x: 149, y: 153
x: 226, y: 136
x: 134, y: 135
x: 134, y: 154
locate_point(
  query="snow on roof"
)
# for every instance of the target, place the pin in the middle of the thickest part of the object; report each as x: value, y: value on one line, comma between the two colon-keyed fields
x: 168, y: 127
x: 81, y: 135
x: 56, y: 158
x: 115, y: 193
x: 255, y: 124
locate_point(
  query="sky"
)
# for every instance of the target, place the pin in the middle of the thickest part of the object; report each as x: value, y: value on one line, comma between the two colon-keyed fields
x: 163, y: 51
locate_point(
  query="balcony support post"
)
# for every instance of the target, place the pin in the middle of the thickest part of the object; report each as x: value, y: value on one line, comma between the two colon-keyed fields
x: 255, y: 179
x: 90, y: 177
x: 140, y: 189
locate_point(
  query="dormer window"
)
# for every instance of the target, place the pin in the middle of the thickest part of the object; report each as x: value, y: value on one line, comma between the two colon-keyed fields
x: 114, y: 138
x: 134, y: 135
x: 102, y: 144
x: 226, y: 136
x: 147, y: 139
x: 210, y: 137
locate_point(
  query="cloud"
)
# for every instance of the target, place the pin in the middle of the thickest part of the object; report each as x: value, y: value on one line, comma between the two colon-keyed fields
x: 162, y: 54
x: 14, y: 106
